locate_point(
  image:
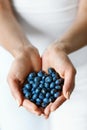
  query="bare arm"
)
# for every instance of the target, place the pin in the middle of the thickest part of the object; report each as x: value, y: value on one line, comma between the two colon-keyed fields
x: 26, y: 56
x: 12, y: 37
x: 56, y: 55
x: 76, y: 36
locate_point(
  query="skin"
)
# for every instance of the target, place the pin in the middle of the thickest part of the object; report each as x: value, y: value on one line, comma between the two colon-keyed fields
x: 27, y: 58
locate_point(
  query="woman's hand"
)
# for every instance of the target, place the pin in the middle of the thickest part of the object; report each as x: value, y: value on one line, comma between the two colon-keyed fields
x: 56, y: 58
x: 25, y: 62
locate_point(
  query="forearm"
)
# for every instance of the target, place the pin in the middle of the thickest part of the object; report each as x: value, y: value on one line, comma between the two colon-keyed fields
x: 76, y: 36
x: 12, y: 37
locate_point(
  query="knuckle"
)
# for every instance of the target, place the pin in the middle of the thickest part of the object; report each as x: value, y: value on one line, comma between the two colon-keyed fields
x: 35, y: 50
x: 35, y: 108
x: 73, y: 70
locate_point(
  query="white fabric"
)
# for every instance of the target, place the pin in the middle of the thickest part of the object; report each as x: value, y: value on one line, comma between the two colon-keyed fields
x: 46, y: 20
x: 43, y: 22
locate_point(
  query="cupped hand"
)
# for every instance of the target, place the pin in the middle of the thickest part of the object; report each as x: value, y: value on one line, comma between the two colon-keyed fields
x: 56, y: 58
x: 25, y: 62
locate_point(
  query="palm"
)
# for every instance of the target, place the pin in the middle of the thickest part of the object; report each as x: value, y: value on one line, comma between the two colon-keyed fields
x: 57, y: 59
x: 20, y: 68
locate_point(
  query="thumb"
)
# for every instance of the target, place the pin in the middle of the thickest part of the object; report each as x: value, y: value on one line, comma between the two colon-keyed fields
x: 68, y: 84
x: 16, y: 91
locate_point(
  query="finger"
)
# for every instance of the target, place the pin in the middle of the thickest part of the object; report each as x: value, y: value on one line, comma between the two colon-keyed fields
x: 68, y: 84
x: 37, y: 63
x: 16, y: 91
x: 45, y: 62
x: 47, y: 111
x: 59, y: 101
x: 31, y: 107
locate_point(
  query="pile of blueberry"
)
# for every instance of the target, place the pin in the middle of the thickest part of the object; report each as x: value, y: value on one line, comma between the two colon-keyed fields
x: 42, y: 88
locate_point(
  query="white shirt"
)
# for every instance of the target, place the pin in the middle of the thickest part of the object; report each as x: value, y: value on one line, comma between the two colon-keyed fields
x: 44, y: 21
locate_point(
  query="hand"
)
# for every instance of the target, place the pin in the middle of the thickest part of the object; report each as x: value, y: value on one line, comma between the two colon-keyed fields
x: 56, y: 58
x: 25, y: 62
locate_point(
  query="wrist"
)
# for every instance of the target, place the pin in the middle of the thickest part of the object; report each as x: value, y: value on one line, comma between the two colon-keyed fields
x: 23, y: 49
x: 65, y: 46
x: 61, y: 46
x: 75, y: 38
x: 12, y: 37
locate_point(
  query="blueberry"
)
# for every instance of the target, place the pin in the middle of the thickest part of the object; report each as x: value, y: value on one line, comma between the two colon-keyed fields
x: 31, y: 81
x: 38, y: 101
x: 25, y: 90
x: 41, y: 85
x: 50, y: 71
x: 52, y: 85
x: 46, y: 85
x: 54, y: 74
x: 33, y: 92
x: 44, y: 105
x: 27, y: 86
x: 54, y: 79
x: 40, y: 73
x: 33, y: 89
x: 48, y: 79
x: 38, y: 104
x: 38, y: 90
x: 35, y: 85
x: 34, y: 96
x: 61, y: 81
x: 48, y: 89
x: 47, y: 94
x: 57, y: 82
x: 41, y: 96
x: 32, y: 75
x: 28, y: 95
x: 42, y: 81
x: 46, y: 100
x: 56, y: 94
x: 44, y: 76
x: 42, y: 88
x: 51, y: 99
x: 53, y: 91
x: 58, y: 87
x: 43, y: 91
x: 37, y: 79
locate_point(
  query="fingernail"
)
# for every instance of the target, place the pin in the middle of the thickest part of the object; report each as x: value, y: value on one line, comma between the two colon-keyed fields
x: 67, y: 95
x: 46, y: 117
x: 42, y: 114
x: 37, y: 114
x: 18, y: 103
